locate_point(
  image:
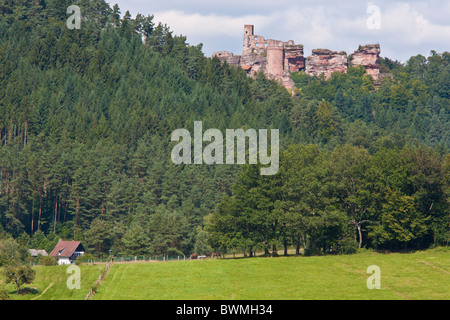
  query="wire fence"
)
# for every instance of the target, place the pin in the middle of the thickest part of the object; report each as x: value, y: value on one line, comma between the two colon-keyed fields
x: 130, y: 259
x: 111, y: 260
x: 93, y: 289
x: 148, y: 258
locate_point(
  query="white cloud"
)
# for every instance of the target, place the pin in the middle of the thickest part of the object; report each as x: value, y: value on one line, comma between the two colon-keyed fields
x: 407, y: 28
x: 406, y: 31
x: 216, y: 32
x: 207, y: 25
x: 410, y: 25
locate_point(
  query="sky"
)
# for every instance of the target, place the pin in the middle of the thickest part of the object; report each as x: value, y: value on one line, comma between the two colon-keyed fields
x: 402, y: 28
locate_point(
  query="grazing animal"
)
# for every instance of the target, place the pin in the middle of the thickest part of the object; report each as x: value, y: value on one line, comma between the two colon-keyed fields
x: 216, y: 255
x: 208, y: 254
x: 194, y: 256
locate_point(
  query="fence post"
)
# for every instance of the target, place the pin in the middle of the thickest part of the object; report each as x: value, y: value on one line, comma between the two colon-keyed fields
x: 100, y: 277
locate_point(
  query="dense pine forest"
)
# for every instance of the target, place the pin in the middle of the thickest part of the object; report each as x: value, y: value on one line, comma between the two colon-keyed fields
x: 86, y: 117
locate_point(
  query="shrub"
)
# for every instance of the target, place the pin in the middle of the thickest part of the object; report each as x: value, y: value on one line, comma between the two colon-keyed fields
x: 174, y: 252
x: 365, y: 251
x: 85, y: 258
x: 440, y: 249
x: 348, y: 246
x: 4, y: 295
x: 47, y: 260
x: 311, y: 252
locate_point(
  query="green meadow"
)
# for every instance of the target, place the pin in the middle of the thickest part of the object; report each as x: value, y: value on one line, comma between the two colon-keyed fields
x: 410, y: 276
x: 423, y: 275
x: 50, y: 283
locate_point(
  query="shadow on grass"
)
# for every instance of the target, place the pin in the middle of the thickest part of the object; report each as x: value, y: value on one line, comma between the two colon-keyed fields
x: 24, y: 291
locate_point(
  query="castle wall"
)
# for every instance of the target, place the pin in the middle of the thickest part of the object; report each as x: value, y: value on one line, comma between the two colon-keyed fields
x: 273, y: 57
x: 277, y: 59
x: 229, y: 57
x: 248, y: 31
x: 293, y: 58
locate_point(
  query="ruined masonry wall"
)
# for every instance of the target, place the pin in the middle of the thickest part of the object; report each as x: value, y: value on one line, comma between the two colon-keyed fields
x: 277, y: 59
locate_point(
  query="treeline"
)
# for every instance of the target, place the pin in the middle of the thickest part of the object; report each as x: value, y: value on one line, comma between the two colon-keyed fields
x: 337, y: 201
x: 410, y: 103
x: 86, y: 117
x: 85, y: 123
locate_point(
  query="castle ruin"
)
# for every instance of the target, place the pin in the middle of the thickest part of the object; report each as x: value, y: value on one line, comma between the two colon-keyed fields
x: 277, y: 59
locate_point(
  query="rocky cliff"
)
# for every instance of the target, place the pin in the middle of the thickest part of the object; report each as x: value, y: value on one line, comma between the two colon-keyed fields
x: 324, y: 61
x: 369, y: 57
x: 277, y: 59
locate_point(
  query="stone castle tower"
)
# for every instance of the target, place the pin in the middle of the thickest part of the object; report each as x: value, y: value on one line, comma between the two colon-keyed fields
x: 277, y: 59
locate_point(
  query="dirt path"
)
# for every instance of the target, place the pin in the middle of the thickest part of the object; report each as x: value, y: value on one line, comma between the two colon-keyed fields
x: 43, y: 292
x: 436, y: 267
x: 365, y: 275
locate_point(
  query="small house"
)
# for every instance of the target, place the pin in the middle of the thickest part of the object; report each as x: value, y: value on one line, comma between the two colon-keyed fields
x: 66, y: 252
x: 36, y: 252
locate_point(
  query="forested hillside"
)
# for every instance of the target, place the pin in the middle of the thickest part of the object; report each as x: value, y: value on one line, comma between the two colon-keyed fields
x: 86, y: 117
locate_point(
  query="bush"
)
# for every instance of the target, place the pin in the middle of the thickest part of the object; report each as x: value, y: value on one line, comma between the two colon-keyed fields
x: 348, y: 246
x: 85, y: 258
x: 4, y: 295
x: 311, y: 252
x: 365, y: 251
x: 440, y: 249
x: 174, y: 252
x: 47, y: 260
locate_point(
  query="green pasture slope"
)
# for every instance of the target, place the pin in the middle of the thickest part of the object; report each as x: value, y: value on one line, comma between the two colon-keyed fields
x: 417, y: 276
x: 50, y: 283
x: 421, y: 275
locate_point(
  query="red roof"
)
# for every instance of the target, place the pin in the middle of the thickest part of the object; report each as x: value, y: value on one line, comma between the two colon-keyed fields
x: 66, y: 248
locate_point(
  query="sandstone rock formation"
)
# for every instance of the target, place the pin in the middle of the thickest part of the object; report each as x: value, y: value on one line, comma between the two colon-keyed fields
x: 369, y: 57
x: 278, y: 59
x: 229, y: 57
x: 324, y: 61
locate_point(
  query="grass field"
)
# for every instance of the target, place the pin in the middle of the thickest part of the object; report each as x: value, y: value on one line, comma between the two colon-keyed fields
x: 417, y: 276
x: 422, y: 275
x: 50, y: 283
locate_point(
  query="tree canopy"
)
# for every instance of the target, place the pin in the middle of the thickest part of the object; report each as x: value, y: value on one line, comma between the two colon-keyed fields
x: 86, y: 117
